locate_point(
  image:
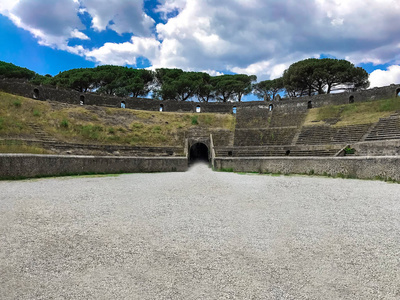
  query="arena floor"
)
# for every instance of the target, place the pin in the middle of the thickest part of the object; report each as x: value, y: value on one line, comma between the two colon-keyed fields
x: 199, y: 235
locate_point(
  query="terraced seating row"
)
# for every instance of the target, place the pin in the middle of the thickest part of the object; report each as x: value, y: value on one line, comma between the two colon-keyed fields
x: 271, y: 151
x: 87, y: 149
x: 314, y: 135
x: 252, y: 117
x: 287, y: 120
x: 385, y: 129
x: 261, y: 137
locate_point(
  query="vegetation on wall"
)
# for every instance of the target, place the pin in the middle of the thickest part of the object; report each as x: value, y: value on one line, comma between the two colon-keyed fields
x: 353, y: 114
x: 102, y: 125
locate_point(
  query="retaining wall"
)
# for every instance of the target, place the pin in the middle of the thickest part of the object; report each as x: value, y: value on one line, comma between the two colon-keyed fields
x: 29, y: 165
x: 301, y: 104
x: 387, y: 167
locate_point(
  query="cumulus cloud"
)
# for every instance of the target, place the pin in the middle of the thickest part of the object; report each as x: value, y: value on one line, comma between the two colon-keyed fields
x: 126, y: 53
x: 119, y: 15
x: 51, y: 22
x: 261, y: 37
x: 385, y: 77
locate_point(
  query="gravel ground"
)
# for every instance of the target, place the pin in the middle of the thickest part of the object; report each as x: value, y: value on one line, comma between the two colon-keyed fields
x: 199, y: 235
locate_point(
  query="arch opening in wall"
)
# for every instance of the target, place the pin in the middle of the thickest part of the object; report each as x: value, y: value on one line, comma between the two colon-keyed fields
x: 198, y: 108
x: 287, y: 153
x: 123, y: 104
x: 161, y: 107
x: 82, y: 100
x: 234, y: 110
x: 271, y: 107
x: 351, y: 99
x: 398, y: 92
x: 198, y: 153
x: 36, y: 94
x: 309, y: 104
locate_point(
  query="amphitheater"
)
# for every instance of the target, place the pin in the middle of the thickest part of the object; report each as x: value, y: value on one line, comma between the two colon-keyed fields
x: 192, y: 233
x: 269, y: 137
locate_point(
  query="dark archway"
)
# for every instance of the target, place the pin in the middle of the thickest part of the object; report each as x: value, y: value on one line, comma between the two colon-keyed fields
x: 198, y: 153
x: 35, y: 94
x: 398, y: 92
x: 271, y: 107
x: 309, y: 104
x: 123, y: 104
x: 287, y: 153
x: 82, y: 100
x: 198, y: 108
x: 351, y: 99
x: 161, y: 107
x: 234, y: 110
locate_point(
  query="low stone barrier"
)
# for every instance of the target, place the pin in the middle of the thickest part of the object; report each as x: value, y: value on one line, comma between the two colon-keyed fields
x: 377, y: 167
x: 29, y: 165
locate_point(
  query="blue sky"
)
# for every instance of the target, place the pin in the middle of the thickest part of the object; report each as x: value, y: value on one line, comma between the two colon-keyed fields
x: 260, y: 37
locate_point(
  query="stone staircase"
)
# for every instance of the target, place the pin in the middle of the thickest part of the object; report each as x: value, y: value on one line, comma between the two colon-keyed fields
x: 315, y: 135
x: 40, y: 135
x: 385, y: 129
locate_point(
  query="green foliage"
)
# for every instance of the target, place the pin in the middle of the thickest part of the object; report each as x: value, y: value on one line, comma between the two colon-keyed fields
x: 349, y: 150
x: 317, y: 76
x: 64, y: 123
x: 111, y: 130
x: 36, y: 113
x: 230, y: 170
x: 89, y: 131
x: 194, y: 120
x: 17, y: 103
x: 268, y: 89
x: 9, y: 70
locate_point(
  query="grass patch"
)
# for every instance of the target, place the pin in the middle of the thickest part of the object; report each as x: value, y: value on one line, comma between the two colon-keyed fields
x: 36, y: 113
x: 64, y: 123
x: 353, y: 114
x: 104, y: 125
x: 194, y: 120
x: 19, y: 147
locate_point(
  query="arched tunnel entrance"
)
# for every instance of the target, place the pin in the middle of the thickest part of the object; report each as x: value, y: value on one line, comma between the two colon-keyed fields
x: 198, y: 153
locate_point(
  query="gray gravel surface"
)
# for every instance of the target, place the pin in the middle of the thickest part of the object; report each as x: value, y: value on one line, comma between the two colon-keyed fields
x: 199, y: 235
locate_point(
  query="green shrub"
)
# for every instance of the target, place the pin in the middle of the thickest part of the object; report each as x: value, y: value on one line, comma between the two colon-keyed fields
x: 194, y: 120
x: 111, y: 130
x: 349, y: 150
x: 156, y: 129
x: 64, y: 123
x: 36, y: 113
x: 17, y: 103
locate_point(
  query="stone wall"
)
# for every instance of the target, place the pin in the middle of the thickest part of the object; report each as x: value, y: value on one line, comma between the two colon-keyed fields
x: 377, y: 148
x: 358, y: 167
x: 22, y: 88
x: 29, y: 165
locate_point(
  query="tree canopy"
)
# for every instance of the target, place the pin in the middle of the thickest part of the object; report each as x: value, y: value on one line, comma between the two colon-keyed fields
x: 10, y: 70
x: 268, y: 89
x: 318, y: 76
x: 307, y: 77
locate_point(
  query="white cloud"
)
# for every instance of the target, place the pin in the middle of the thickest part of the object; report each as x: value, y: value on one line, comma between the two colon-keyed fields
x: 79, y: 35
x: 125, y: 53
x: 119, y: 15
x: 261, y: 37
x: 385, y: 77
